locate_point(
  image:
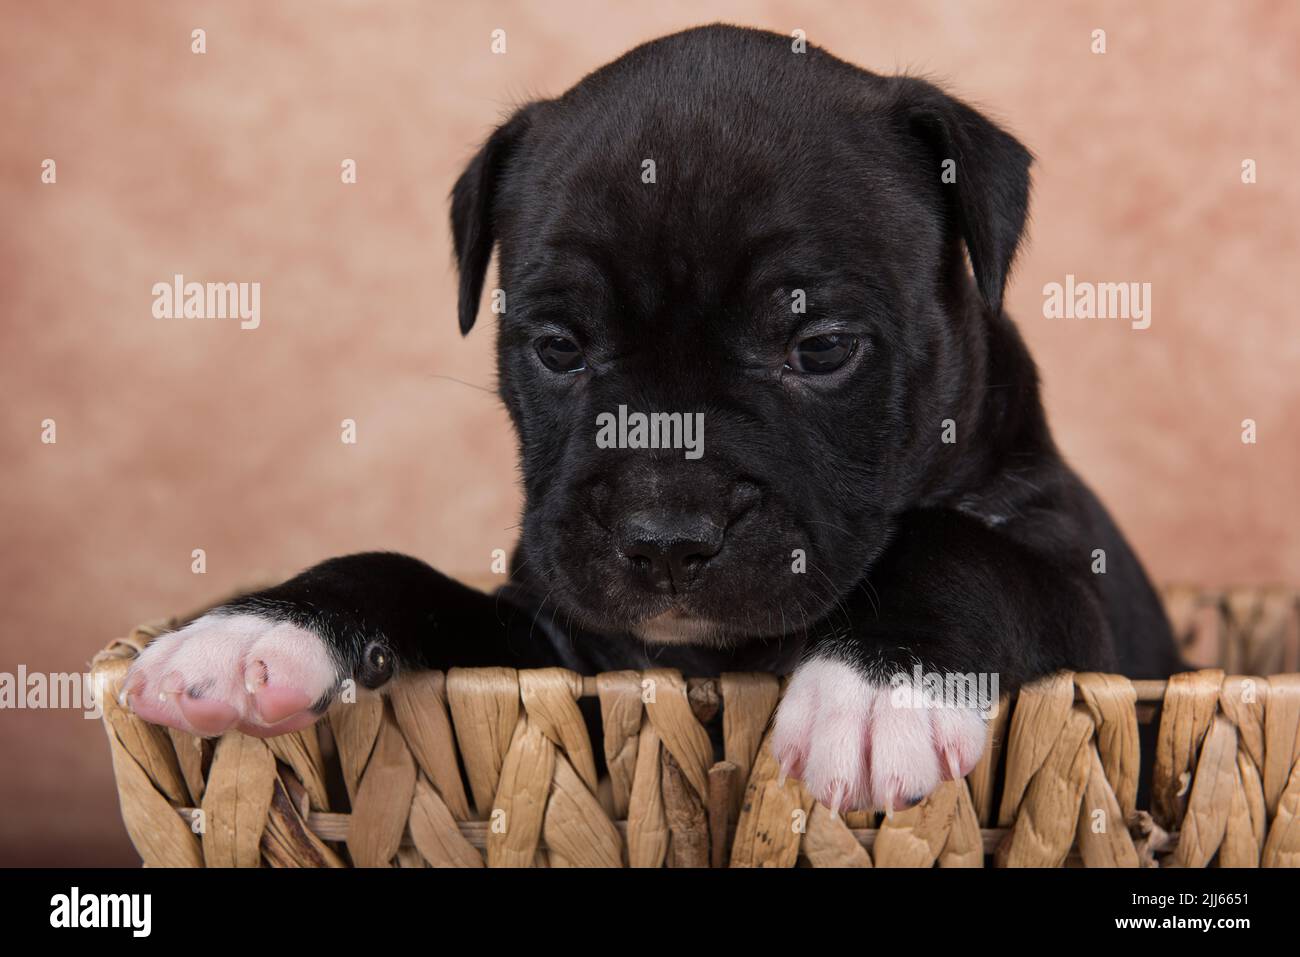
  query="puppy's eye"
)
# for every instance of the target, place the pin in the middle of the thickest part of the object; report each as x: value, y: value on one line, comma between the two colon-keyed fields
x: 560, y: 355
x: 818, y: 355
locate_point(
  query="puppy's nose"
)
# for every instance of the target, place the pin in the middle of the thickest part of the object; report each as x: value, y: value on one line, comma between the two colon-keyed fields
x: 668, y: 551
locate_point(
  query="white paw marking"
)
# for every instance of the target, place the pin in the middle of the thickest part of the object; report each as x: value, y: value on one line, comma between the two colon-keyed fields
x: 224, y: 671
x: 856, y: 745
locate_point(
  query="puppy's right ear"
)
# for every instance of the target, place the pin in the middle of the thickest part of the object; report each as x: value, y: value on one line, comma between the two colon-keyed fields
x: 988, y: 195
x: 473, y: 230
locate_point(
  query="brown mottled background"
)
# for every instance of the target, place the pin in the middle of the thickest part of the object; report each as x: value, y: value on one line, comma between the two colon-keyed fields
x: 176, y: 435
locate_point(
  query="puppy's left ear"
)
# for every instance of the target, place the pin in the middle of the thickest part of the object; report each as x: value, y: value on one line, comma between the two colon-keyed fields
x: 473, y: 227
x: 988, y: 189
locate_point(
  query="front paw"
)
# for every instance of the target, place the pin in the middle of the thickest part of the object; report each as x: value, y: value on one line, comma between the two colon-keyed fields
x: 863, y: 745
x: 233, y: 670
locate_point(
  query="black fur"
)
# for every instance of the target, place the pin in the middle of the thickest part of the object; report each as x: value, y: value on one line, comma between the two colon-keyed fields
x: 776, y: 172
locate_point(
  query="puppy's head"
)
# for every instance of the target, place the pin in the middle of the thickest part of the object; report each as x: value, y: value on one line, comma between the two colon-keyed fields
x: 717, y: 232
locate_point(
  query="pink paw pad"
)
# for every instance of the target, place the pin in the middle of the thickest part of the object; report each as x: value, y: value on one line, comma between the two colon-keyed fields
x: 226, y: 671
x: 865, y: 745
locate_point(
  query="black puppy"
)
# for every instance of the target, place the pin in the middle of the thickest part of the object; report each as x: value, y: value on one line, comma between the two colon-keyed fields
x: 720, y: 230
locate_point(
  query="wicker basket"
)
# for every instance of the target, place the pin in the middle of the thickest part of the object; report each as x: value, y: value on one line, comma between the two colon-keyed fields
x: 495, y: 767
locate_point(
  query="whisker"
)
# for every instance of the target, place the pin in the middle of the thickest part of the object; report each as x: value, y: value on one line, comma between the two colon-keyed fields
x: 472, y: 385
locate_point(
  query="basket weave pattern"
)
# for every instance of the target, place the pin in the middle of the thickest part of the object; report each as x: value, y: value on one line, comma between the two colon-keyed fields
x: 495, y: 767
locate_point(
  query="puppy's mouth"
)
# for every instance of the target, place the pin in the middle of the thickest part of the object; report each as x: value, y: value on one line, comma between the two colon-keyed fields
x: 677, y: 627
